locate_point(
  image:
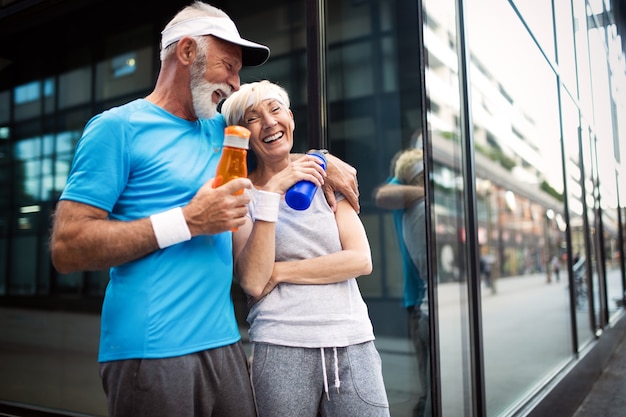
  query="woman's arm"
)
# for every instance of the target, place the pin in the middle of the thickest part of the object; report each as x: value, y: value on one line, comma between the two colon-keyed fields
x: 253, y: 255
x: 353, y: 260
x: 254, y: 243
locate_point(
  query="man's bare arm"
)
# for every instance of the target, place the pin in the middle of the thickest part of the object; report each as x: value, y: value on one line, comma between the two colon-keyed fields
x: 342, y: 178
x: 84, y: 238
x: 397, y: 196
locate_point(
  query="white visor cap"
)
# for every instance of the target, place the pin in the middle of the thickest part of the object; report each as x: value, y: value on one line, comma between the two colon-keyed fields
x: 252, y: 54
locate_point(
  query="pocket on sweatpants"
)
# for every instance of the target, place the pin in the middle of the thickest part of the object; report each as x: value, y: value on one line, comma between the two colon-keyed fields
x: 367, y: 374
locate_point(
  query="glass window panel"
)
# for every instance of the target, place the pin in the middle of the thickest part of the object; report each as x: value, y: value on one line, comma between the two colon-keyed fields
x: 62, y: 164
x: 124, y: 65
x: 374, y: 112
x: 448, y: 208
x: 28, y: 169
x: 49, y: 95
x: 516, y: 133
x: 96, y: 283
x: 603, y: 115
x: 27, y: 93
x: 44, y: 266
x: 27, y: 190
x: 5, y: 103
x: 571, y: 137
x: 27, y: 100
x: 614, y: 287
x: 3, y: 255
x: 62, y: 170
x: 73, y: 120
x: 48, y: 145
x: 538, y: 16
x: 618, y: 92
x: 5, y: 174
x: 47, y: 180
x: 565, y: 40
x: 582, y: 56
x: 4, y: 132
x: 596, y: 6
x: 66, y: 141
x: 27, y: 149
x: 24, y: 262
x: 587, y: 155
x: 5, y: 152
x: 75, y: 87
x: 128, y: 69
x: 5, y: 185
x: 357, y: 79
x: 390, y: 76
x: 69, y: 283
x: 27, y: 166
x: 349, y: 20
x: 124, y: 74
x: 28, y: 129
x: 286, y: 18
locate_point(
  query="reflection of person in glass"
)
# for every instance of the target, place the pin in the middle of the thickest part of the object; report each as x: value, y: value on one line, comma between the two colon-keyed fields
x: 555, y: 265
x: 404, y: 194
x: 486, y: 265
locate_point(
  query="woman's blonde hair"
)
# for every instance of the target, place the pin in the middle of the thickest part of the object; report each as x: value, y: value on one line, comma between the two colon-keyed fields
x: 252, y: 94
x: 410, y: 167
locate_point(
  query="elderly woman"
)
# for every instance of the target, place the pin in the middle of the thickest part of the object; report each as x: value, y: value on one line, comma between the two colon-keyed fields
x: 309, y: 325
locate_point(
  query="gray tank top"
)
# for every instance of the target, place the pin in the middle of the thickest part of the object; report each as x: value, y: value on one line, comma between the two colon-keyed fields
x: 329, y: 315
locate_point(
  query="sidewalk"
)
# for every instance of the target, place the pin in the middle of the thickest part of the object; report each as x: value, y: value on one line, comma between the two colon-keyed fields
x: 608, y: 395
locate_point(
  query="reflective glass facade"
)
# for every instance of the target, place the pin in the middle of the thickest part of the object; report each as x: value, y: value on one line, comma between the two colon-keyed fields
x: 514, y: 105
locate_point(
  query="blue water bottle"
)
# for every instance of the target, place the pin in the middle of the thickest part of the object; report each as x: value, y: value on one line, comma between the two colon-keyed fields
x: 300, y: 195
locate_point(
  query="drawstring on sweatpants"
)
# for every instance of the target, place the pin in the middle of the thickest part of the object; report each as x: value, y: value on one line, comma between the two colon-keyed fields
x: 337, y: 382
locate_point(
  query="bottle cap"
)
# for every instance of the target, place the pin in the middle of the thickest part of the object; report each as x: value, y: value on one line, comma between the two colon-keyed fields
x: 236, y: 136
x: 320, y: 155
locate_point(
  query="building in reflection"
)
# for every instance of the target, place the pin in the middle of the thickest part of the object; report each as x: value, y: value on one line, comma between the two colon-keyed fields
x: 518, y: 106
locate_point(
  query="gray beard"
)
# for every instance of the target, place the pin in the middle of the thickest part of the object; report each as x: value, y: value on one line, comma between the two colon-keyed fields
x: 201, y: 96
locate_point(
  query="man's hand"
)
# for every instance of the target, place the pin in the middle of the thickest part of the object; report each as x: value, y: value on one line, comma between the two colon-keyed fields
x: 217, y: 210
x: 342, y: 178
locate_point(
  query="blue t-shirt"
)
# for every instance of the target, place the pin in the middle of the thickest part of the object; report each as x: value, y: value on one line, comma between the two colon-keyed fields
x: 414, y: 285
x: 133, y: 161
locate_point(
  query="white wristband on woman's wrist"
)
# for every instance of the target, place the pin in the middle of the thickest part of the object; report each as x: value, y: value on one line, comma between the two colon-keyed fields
x: 266, y: 206
x: 170, y: 227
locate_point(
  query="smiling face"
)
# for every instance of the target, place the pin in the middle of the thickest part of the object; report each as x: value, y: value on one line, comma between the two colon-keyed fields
x: 214, y: 75
x: 271, y: 125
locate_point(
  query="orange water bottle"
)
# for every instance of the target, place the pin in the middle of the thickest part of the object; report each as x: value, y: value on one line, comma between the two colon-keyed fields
x: 233, y: 164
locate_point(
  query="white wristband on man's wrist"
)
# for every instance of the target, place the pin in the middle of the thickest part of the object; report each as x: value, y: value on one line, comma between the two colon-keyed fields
x: 266, y: 206
x: 170, y: 227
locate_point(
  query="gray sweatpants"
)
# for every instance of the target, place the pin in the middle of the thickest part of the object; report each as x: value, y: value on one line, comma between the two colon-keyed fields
x: 340, y: 382
x: 211, y: 383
